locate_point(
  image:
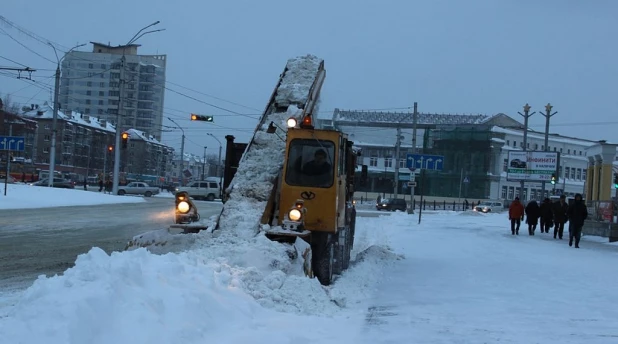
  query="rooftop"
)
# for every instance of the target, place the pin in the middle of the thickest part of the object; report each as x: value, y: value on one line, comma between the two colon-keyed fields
x: 391, y: 118
x: 45, y: 111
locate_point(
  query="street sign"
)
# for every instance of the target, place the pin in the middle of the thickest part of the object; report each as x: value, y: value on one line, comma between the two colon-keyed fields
x: 424, y: 161
x: 411, y: 184
x: 412, y: 176
x: 12, y: 143
x: 466, y: 180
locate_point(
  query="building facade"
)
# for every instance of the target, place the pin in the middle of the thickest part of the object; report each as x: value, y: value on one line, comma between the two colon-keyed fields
x: 90, y: 84
x: 474, y: 149
x: 145, y: 155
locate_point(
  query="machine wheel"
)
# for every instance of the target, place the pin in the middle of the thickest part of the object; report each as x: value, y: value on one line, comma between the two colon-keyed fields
x: 121, y: 192
x: 323, y: 256
x: 210, y: 197
x: 148, y: 194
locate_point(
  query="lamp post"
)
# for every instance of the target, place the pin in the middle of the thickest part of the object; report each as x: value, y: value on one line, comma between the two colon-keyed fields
x: 218, y: 164
x: 204, y: 162
x: 182, y: 152
x: 121, y: 103
x: 52, y: 151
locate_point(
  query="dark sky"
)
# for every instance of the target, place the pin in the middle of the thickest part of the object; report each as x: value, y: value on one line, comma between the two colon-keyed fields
x: 475, y: 56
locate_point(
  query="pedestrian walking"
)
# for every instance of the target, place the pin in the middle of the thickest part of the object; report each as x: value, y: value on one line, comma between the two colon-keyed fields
x: 577, y: 213
x: 560, y: 210
x: 516, y: 214
x: 533, y: 212
x: 547, y: 215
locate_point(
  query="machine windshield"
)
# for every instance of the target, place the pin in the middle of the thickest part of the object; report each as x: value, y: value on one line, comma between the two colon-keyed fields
x: 310, y: 163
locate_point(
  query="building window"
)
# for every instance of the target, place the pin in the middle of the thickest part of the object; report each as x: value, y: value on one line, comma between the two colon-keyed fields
x: 527, y: 145
x: 100, y: 102
x: 511, y: 192
x: 88, y: 93
x: 568, y: 151
x: 508, y: 142
x: 373, y: 161
x: 566, y: 173
x: 572, y: 173
x: 554, y: 149
x: 47, y: 138
x: 90, y: 66
x: 579, y: 174
x: 103, y: 66
x: 45, y: 149
x: 560, y: 150
x: 101, y: 84
x: 101, y: 94
x: 402, y: 163
x: 89, y: 84
x: 514, y: 144
x: 584, y: 171
x: 542, y: 147
x: 88, y: 101
x: 503, y: 195
x: 388, y: 162
x: 100, y: 111
x: 536, y: 146
x: 505, y: 165
x: 47, y: 126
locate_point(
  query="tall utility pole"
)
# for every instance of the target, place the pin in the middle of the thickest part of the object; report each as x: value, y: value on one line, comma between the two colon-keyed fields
x: 8, y: 161
x: 52, y: 152
x: 547, y: 115
x: 116, y: 172
x: 182, y: 153
x: 204, y: 163
x: 526, y: 115
x: 397, y: 150
x: 219, y: 172
x: 414, y: 149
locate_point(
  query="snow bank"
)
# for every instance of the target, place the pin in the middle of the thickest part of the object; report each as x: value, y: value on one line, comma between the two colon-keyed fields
x: 28, y: 197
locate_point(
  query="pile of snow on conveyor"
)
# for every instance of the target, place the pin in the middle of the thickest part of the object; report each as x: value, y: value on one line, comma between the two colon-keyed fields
x: 263, y: 160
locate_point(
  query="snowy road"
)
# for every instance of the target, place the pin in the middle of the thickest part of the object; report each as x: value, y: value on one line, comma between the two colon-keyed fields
x: 47, y: 240
x: 466, y: 279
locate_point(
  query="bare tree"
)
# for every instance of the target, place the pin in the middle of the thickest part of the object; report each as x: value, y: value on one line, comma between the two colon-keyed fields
x: 8, y: 105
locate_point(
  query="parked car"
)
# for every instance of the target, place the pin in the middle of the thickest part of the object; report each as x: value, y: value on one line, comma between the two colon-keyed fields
x: 392, y: 204
x: 10, y: 181
x: 489, y: 206
x: 58, y: 183
x: 201, y: 189
x: 138, y: 188
x: 516, y: 163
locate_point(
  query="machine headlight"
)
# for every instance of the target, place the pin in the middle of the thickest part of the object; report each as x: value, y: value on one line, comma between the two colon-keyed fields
x: 295, y: 214
x: 292, y: 122
x: 183, y: 207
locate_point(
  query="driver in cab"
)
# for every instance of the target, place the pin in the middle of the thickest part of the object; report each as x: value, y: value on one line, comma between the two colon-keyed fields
x: 318, y: 166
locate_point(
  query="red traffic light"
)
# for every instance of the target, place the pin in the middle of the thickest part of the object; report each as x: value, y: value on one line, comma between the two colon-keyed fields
x: 110, y: 148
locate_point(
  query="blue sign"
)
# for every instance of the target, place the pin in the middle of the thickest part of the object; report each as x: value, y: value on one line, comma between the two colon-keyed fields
x: 423, y: 161
x: 12, y: 143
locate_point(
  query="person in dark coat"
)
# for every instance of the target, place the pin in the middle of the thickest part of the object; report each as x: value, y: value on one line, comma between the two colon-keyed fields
x: 533, y: 212
x: 576, y: 214
x: 560, y: 209
x: 516, y: 214
x: 547, y: 216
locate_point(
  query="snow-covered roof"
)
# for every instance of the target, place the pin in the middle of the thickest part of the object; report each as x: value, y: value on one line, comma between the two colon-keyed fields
x: 47, y: 112
x: 541, y: 136
x: 135, y: 134
x: 407, y: 117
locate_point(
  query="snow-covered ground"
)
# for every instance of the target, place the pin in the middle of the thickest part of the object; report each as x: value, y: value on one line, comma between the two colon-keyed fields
x: 20, y: 196
x: 455, y: 278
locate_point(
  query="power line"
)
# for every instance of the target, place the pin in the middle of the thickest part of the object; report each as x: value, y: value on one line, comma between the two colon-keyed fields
x: 23, y: 45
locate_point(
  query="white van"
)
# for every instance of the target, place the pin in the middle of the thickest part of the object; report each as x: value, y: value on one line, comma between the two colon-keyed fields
x: 208, y: 189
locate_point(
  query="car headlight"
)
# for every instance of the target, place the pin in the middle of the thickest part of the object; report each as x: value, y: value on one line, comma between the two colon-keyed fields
x: 294, y: 214
x: 183, y: 207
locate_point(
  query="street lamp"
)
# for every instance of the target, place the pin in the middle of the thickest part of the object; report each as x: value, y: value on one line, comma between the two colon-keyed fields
x: 204, y: 163
x: 218, y: 165
x: 121, y: 103
x: 52, y: 152
x: 182, y: 152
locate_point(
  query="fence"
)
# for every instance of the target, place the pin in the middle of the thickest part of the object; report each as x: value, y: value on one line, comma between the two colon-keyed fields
x: 428, y: 204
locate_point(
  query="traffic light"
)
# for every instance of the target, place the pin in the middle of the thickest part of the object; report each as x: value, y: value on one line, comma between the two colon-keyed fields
x: 553, y: 179
x: 125, y: 139
x: 203, y: 118
x: 110, y: 148
x: 616, y: 180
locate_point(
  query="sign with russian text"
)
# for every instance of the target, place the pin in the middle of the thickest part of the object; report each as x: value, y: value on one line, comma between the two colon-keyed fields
x: 532, y: 166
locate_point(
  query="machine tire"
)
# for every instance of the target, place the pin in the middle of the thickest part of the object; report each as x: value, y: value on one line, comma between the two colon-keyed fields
x: 148, y: 194
x: 210, y: 197
x: 121, y: 192
x: 323, y: 256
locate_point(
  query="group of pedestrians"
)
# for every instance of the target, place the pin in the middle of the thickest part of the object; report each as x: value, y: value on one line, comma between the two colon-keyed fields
x: 550, y: 215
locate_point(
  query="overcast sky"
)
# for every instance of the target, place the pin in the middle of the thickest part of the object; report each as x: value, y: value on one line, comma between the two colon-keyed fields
x: 473, y: 56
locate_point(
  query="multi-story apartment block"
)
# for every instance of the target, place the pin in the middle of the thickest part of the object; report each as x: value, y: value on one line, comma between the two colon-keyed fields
x: 475, y: 150
x: 90, y: 84
x: 145, y: 155
x: 82, y: 141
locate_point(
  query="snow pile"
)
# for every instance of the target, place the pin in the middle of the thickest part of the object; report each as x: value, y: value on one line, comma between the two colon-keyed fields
x: 297, y: 80
x: 20, y: 196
